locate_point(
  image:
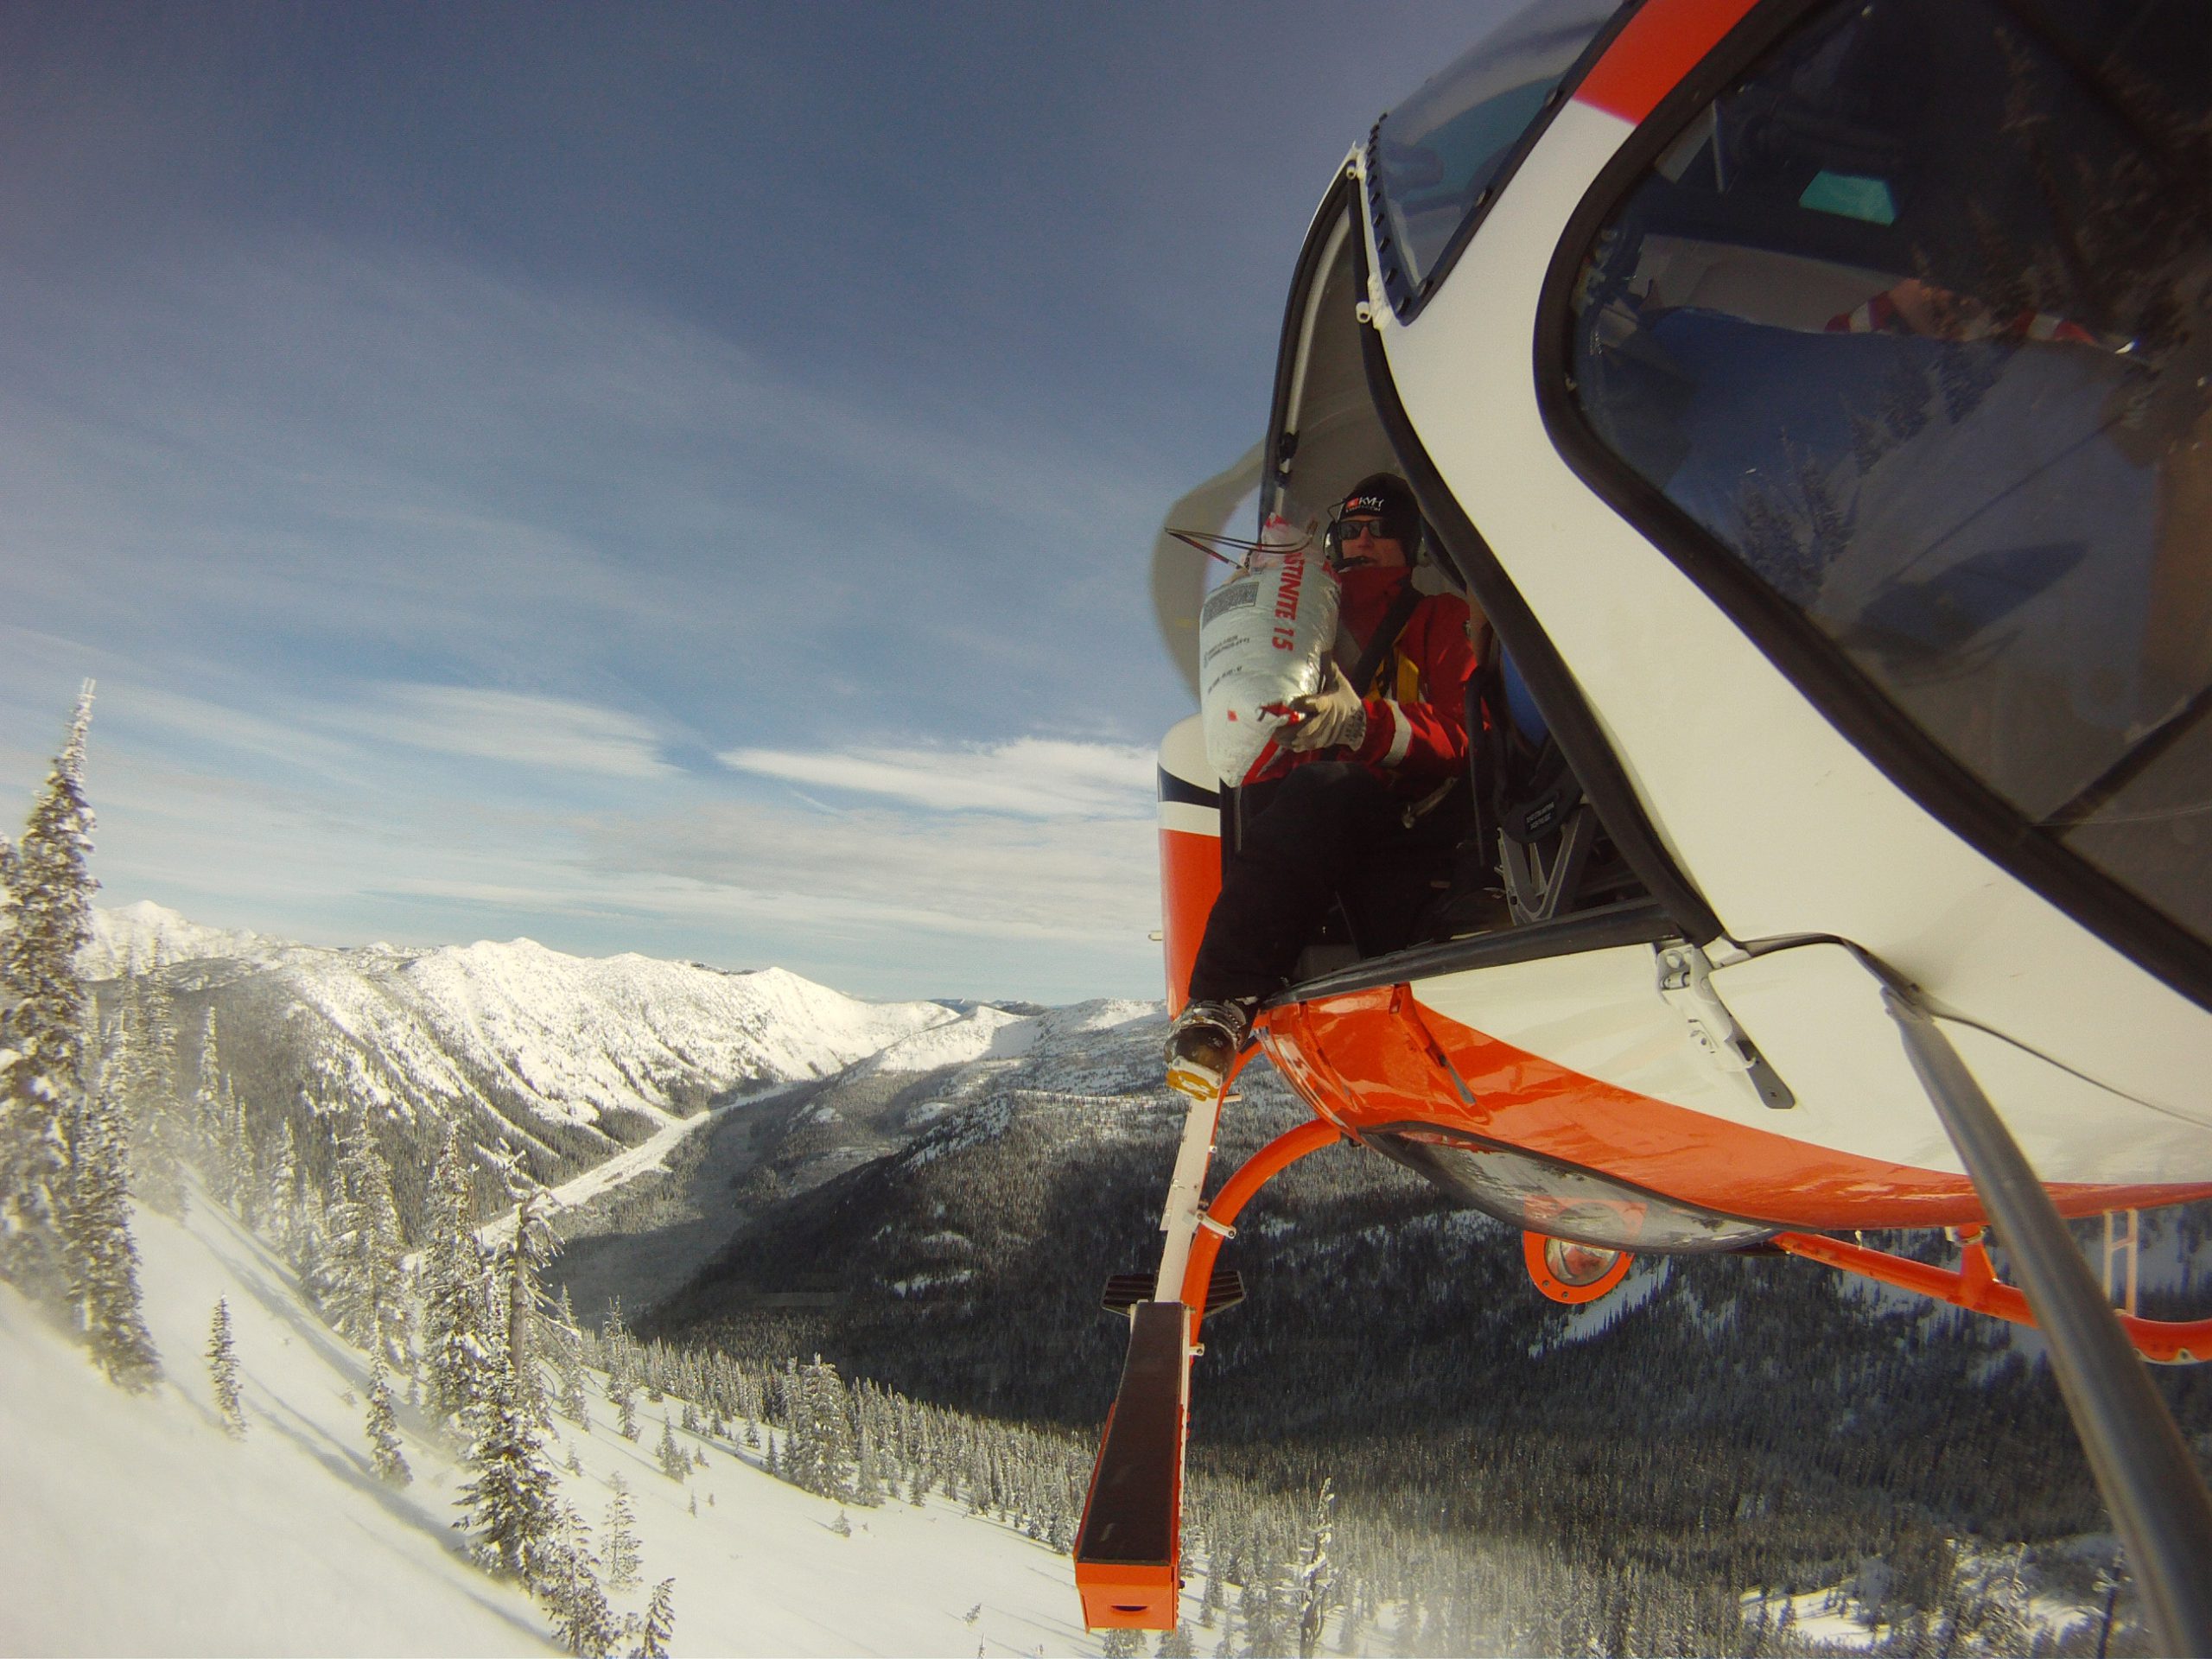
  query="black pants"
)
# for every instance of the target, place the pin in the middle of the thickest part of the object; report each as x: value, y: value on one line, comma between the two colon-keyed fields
x: 1332, y: 829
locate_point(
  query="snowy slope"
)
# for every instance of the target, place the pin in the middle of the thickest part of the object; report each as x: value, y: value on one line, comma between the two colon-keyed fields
x: 134, y: 1526
x: 982, y: 1033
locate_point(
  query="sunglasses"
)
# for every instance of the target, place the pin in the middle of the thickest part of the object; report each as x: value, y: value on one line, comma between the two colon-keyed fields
x: 1343, y: 531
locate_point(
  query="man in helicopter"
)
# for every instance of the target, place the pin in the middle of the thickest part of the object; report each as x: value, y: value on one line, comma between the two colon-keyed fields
x: 1356, y: 806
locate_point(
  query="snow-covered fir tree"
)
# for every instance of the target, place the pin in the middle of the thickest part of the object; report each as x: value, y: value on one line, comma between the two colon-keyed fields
x: 624, y: 1564
x: 508, y: 1506
x: 458, y: 1347
x: 224, y: 1155
x: 568, y: 1341
x: 223, y: 1371
x: 1177, y: 1643
x: 280, y: 1188
x: 657, y: 1629
x: 576, y: 1606
x: 622, y: 1355
x: 817, y: 1445
x: 520, y: 1262
x: 1121, y: 1644
x: 99, y: 1256
x: 385, y: 1454
x: 673, y: 1462
x: 367, y: 1285
x: 140, y: 1070
x: 1314, y: 1577
x: 46, y: 903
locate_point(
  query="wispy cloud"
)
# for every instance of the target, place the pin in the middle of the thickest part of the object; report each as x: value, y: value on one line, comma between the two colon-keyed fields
x: 1031, y: 777
x: 514, y: 726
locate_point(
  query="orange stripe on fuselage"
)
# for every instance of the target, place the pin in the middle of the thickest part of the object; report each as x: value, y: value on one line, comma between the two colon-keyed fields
x: 1365, y: 1060
x: 1190, y: 881
x: 1655, y: 49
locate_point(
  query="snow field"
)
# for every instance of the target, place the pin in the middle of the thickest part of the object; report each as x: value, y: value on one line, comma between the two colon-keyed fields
x: 136, y: 1525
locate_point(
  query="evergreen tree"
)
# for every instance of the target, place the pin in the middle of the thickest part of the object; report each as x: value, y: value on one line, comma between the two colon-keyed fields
x: 217, y: 1126
x: 1314, y: 1579
x: 365, y: 1299
x: 149, y: 1096
x: 817, y: 1448
x: 1121, y: 1644
x: 46, y: 895
x: 508, y: 1506
x: 574, y: 1604
x: 659, y: 1626
x: 673, y: 1463
x: 520, y: 1261
x: 624, y: 1564
x: 1213, y: 1604
x: 100, y: 1259
x: 223, y: 1371
x: 568, y: 1359
x: 457, y: 1349
x: 385, y: 1450
x: 1177, y: 1643
x: 280, y: 1193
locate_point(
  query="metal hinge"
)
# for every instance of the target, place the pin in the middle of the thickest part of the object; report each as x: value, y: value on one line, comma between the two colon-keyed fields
x: 1686, y: 981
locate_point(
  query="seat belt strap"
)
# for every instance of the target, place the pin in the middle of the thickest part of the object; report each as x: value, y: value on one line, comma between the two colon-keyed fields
x: 1386, y: 638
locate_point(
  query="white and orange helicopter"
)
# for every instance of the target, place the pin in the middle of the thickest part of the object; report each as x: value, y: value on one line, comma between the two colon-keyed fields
x: 1813, y: 398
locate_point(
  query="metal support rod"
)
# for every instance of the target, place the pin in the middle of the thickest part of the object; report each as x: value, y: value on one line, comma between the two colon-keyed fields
x: 1179, y: 1217
x: 2142, y: 1465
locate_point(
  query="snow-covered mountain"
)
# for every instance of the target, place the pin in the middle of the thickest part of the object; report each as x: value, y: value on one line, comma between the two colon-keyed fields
x: 136, y: 1525
x: 570, y: 1059
x: 138, y: 938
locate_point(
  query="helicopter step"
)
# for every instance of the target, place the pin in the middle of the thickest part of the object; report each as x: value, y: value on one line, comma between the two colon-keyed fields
x: 1225, y: 1289
x: 1128, y: 1554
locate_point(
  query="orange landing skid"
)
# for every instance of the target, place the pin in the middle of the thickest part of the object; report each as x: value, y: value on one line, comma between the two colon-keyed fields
x: 1976, y: 1287
x: 1129, y: 1550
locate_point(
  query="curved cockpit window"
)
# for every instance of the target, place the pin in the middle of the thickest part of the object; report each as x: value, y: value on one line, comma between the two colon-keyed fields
x: 1437, y: 153
x: 1915, y: 321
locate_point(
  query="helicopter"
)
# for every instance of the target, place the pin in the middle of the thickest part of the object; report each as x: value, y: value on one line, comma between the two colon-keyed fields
x: 1812, y: 397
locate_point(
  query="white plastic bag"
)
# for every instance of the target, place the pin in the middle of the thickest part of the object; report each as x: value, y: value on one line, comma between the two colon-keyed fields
x: 1264, y: 638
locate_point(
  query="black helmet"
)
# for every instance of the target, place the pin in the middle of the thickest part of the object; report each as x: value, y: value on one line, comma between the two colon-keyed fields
x: 1389, y: 498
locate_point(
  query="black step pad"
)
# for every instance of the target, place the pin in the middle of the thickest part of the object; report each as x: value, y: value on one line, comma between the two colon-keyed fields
x: 1134, y: 1505
x: 1125, y: 1290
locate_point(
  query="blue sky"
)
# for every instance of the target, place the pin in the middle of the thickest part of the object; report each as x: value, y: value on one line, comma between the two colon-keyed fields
x: 670, y: 478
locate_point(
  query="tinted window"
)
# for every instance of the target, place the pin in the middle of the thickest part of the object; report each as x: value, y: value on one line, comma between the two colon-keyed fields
x: 1917, y: 322
x: 1437, y: 151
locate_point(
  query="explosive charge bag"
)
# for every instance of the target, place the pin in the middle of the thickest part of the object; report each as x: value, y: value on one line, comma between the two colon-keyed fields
x: 1264, y: 638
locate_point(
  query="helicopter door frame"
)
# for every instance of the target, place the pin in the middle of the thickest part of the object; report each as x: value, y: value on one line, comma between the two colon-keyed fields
x: 1675, y: 911
x: 1589, y: 753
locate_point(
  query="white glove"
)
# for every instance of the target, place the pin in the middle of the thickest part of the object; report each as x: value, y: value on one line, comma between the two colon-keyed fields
x: 1334, y: 717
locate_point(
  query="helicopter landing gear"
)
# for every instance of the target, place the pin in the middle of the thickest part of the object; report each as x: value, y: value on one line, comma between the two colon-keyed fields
x: 1129, y: 1550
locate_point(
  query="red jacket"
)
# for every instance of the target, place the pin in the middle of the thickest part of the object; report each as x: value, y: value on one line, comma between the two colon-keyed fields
x: 1416, y: 708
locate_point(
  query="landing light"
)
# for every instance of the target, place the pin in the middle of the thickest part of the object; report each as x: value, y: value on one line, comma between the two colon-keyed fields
x: 1571, y: 1273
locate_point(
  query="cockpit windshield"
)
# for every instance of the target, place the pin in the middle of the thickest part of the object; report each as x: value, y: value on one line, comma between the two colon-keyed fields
x: 1438, y: 152
x: 1915, y: 320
